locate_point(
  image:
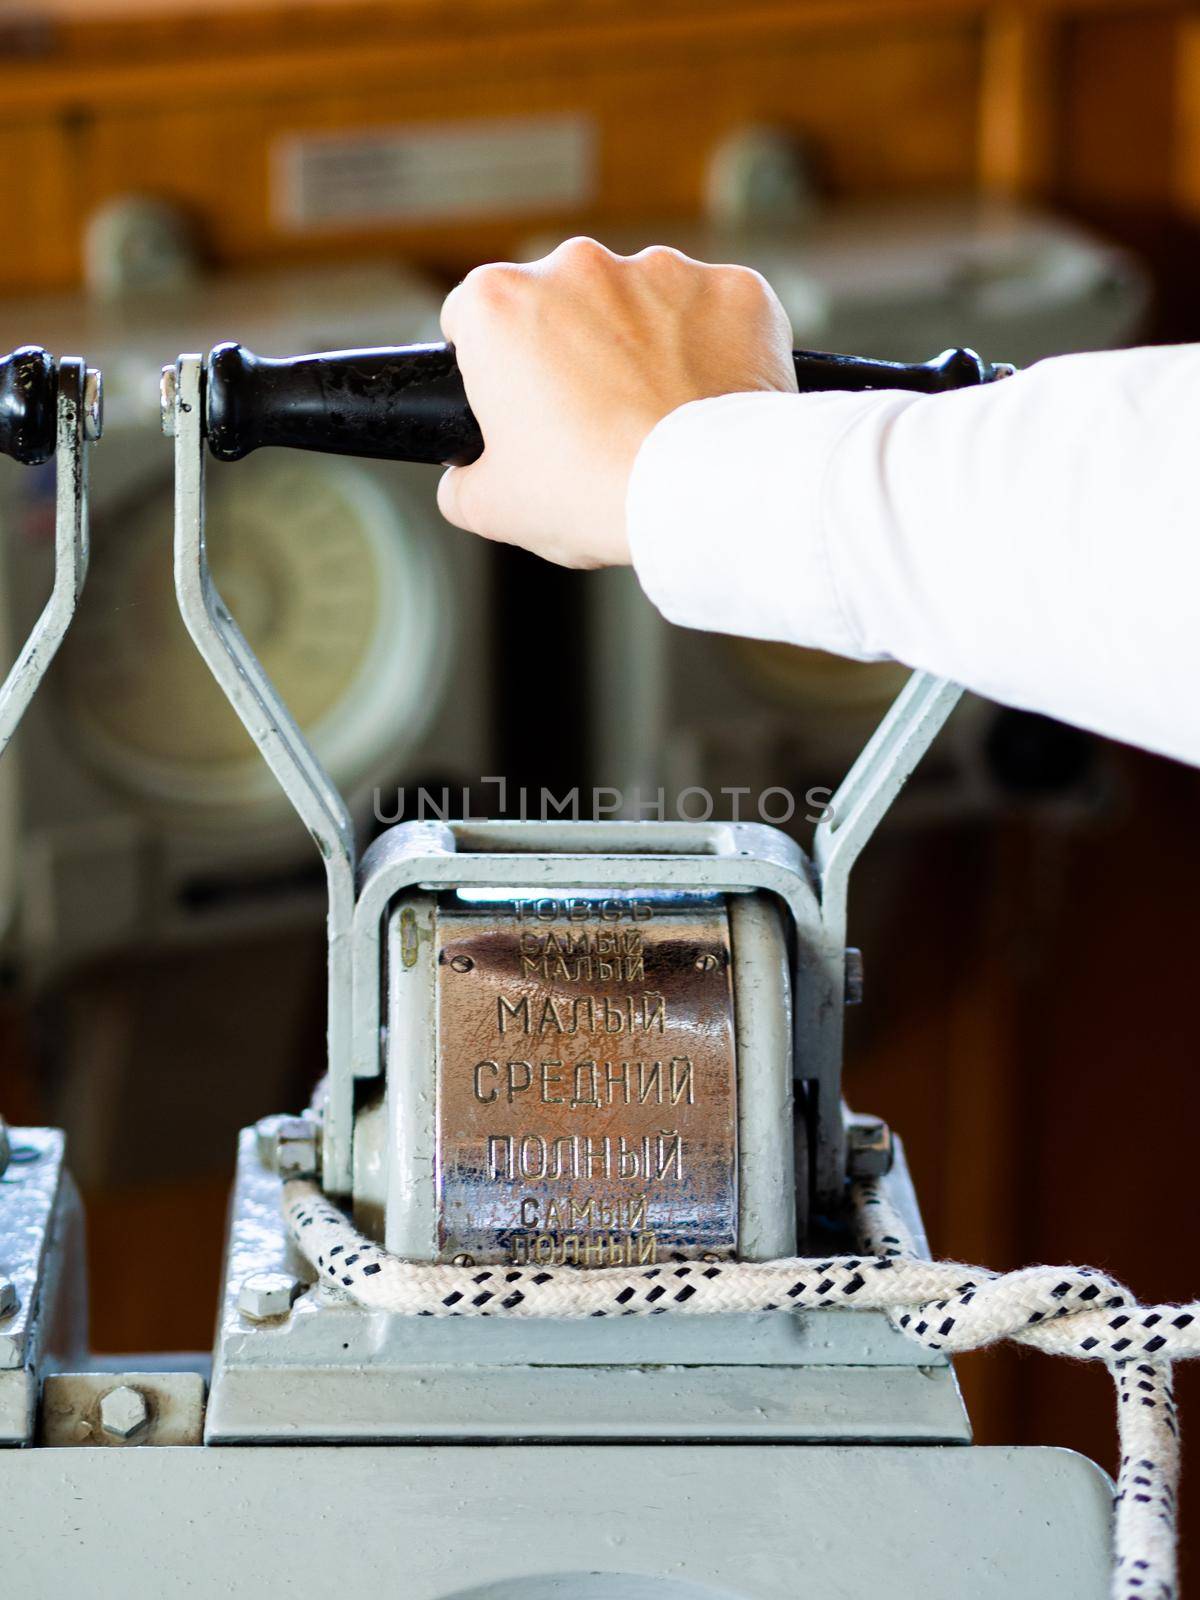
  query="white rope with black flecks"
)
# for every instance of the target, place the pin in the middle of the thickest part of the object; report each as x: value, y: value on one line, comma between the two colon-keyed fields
x: 942, y: 1305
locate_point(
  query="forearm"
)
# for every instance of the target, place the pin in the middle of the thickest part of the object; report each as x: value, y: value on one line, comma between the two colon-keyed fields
x: 1034, y: 540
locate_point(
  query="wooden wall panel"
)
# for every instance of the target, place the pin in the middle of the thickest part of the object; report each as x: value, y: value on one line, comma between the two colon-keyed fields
x: 1079, y: 100
x: 1119, y: 110
x: 202, y: 137
x: 1019, y: 117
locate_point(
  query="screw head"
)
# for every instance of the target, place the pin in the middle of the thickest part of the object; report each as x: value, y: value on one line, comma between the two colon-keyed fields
x: 461, y: 963
x: 462, y: 1260
x: 265, y: 1295
x: 707, y: 962
x: 124, y: 1412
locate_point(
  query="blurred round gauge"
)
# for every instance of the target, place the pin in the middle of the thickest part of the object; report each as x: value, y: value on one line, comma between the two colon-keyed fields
x: 337, y: 583
x: 822, y: 686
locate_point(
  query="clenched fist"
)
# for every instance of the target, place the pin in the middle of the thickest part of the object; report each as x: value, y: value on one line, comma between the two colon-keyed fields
x: 568, y: 364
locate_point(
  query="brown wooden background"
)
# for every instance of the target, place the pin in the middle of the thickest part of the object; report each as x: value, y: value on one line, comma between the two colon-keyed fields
x: 1030, y: 1023
x: 1093, y: 103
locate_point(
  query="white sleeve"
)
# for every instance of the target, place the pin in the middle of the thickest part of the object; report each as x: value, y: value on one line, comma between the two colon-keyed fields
x: 1033, y: 539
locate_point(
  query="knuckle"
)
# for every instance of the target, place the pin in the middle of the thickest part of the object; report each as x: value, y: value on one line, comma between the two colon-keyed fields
x: 744, y: 283
x: 584, y: 253
x: 492, y: 287
x: 665, y: 255
x: 664, y: 261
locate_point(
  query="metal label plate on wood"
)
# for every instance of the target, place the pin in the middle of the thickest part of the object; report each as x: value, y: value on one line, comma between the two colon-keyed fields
x: 586, y: 1083
x: 433, y: 172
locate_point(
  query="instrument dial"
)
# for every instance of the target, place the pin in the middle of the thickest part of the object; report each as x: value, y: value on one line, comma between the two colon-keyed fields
x: 335, y: 582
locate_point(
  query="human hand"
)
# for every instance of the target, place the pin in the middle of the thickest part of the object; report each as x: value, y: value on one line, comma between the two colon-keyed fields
x: 570, y: 361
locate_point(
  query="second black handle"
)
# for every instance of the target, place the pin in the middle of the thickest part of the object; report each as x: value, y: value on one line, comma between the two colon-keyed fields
x: 28, y: 405
x: 408, y: 403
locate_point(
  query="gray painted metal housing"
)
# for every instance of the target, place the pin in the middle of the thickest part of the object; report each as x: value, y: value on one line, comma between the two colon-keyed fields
x: 617, y: 1522
x: 331, y: 1371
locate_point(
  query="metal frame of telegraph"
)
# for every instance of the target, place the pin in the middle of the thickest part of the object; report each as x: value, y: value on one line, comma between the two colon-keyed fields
x: 628, y: 855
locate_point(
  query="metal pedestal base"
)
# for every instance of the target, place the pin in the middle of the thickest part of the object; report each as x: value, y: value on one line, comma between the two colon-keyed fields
x: 329, y: 1371
x: 612, y: 1522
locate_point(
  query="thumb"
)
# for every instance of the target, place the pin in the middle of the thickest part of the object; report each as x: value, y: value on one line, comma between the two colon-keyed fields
x: 456, y: 494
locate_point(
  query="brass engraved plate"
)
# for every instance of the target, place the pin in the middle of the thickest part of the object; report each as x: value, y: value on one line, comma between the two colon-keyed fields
x: 586, y: 1082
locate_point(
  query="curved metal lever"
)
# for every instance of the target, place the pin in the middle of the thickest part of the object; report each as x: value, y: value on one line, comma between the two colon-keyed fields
x: 27, y: 379
x: 282, y: 744
x: 884, y: 764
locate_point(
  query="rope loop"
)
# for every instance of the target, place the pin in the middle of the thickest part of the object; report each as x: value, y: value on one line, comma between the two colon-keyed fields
x: 942, y: 1305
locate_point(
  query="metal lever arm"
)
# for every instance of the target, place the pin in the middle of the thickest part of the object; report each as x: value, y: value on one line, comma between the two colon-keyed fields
x: 408, y: 403
x: 29, y: 381
x: 280, y: 741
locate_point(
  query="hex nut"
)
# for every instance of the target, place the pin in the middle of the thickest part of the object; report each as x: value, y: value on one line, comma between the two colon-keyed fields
x: 266, y: 1131
x: 297, y: 1150
x: 124, y: 1412
x: 289, y: 1146
x: 870, y: 1152
x: 265, y: 1295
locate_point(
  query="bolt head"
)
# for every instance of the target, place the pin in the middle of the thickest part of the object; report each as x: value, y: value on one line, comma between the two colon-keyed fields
x: 265, y: 1295
x: 124, y: 1413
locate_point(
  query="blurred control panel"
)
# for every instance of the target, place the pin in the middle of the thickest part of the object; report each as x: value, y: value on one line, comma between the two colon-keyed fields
x: 132, y: 772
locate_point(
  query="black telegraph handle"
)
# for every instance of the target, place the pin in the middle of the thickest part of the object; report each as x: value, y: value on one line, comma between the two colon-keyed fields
x: 408, y: 403
x: 401, y: 404
x: 28, y: 405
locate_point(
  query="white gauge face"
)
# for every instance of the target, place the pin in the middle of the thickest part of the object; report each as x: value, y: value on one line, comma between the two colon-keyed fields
x: 336, y: 585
